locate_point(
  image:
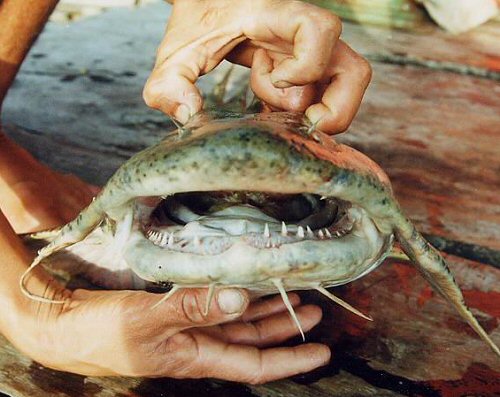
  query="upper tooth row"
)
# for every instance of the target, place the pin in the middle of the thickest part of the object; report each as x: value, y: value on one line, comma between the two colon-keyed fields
x: 165, y: 238
x: 322, y: 233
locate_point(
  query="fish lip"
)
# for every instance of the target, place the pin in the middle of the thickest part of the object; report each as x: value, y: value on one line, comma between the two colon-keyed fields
x: 385, y: 252
x: 302, y: 263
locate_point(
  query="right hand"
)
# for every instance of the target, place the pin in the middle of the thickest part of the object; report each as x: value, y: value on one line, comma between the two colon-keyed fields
x: 108, y: 333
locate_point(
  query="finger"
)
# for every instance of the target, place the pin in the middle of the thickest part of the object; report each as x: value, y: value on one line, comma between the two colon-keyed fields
x: 187, y: 307
x: 170, y: 88
x: 340, y: 102
x: 267, y: 307
x: 144, y: 311
x: 269, y: 331
x: 314, y: 33
x: 295, y: 99
x: 247, y: 363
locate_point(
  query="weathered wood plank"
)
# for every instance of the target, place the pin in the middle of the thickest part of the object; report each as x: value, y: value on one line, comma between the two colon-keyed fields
x: 417, y: 345
x: 474, y: 52
x: 415, y: 333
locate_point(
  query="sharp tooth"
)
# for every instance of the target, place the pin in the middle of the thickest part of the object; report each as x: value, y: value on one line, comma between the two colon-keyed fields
x: 155, y: 237
x: 338, y: 234
x: 323, y: 198
x: 309, y: 232
x: 284, y: 231
x: 171, y: 240
x: 196, y: 241
x: 321, y: 234
x: 266, y: 231
x: 300, y: 232
x: 328, y: 234
x: 268, y: 244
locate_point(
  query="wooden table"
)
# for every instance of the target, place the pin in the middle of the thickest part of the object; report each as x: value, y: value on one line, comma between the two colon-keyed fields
x: 431, y: 118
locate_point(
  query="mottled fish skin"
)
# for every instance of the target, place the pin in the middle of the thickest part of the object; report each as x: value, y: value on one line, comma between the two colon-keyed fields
x: 261, y: 152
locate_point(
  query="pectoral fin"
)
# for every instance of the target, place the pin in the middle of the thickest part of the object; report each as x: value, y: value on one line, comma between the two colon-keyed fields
x: 432, y: 266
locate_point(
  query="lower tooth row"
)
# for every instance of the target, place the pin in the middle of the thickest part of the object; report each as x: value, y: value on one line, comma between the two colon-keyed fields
x: 167, y: 239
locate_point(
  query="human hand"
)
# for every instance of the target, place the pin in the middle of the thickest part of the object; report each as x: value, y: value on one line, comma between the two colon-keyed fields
x: 34, y: 197
x: 297, y: 61
x: 107, y: 333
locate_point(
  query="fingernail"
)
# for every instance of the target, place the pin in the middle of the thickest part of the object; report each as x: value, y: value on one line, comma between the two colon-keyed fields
x: 182, y: 113
x: 231, y: 301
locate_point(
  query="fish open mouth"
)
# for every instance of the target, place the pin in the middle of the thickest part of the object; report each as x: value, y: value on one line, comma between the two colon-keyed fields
x: 209, y: 222
x: 211, y: 232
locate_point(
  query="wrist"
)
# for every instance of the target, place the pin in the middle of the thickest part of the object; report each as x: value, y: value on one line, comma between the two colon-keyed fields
x: 22, y: 320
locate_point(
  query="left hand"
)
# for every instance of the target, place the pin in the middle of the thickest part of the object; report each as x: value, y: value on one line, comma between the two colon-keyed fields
x: 298, y: 62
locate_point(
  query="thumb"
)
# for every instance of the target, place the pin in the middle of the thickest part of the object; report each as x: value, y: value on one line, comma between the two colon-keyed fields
x: 187, y: 307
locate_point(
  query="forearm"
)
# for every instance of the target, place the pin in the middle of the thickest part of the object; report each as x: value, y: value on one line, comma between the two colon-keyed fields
x: 14, y: 260
x: 20, y: 23
x: 21, y: 319
x: 16, y: 176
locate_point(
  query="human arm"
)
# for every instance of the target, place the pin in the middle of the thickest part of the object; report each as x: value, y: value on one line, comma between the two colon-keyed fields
x: 20, y: 23
x: 297, y: 61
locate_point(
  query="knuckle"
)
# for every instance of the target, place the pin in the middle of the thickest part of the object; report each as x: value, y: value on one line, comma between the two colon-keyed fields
x: 327, y: 22
x: 151, y: 95
x: 182, y: 353
x: 183, y: 347
x: 364, y: 69
x: 342, y: 124
x: 259, y: 375
x: 314, y: 73
x: 192, y: 309
x: 257, y: 379
x: 337, y: 122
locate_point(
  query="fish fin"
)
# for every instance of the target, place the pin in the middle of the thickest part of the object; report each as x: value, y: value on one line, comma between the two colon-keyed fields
x: 342, y: 303
x: 279, y: 285
x: 398, y: 254
x: 432, y: 266
x: 48, y: 235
